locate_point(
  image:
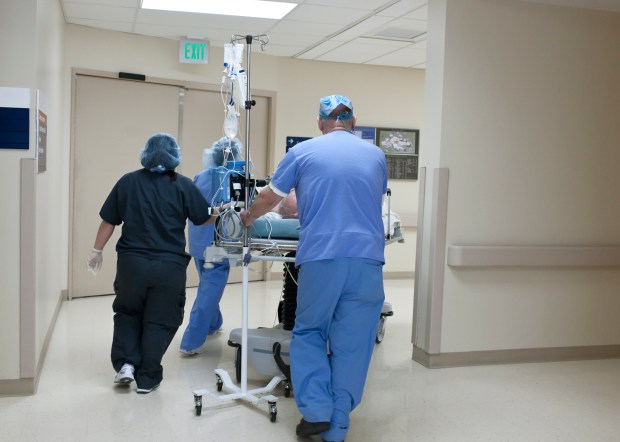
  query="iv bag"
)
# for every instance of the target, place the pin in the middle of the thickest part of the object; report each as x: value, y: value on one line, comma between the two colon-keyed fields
x: 231, y: 122
x: 240, y: 87
x: 238, y: 49
x: 229, y: 54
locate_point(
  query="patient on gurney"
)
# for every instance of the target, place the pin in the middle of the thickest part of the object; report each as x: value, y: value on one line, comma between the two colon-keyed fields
x: 286, y: 208
x: 282, y: 222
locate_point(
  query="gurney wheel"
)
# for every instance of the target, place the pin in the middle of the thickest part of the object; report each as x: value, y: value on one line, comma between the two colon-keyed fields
x: 273, y: 411
x: 380, y: 330
x: 198, y: 404
x: 219, y: 383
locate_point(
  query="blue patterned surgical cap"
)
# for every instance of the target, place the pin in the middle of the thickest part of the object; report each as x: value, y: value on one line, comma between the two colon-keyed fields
x: 214, y: 156
x: 160, y: 153
x: 331, y: 102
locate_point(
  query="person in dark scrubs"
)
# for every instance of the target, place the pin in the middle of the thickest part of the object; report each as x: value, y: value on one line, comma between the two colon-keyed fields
x: 153, y: 205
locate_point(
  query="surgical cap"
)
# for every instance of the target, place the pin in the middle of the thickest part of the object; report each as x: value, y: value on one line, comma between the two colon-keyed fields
x: 215, y: 155
x: 331, y: 102
x: 160, y: 153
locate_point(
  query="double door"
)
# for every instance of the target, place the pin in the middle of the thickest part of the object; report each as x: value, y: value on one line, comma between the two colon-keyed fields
x: 112, y: 119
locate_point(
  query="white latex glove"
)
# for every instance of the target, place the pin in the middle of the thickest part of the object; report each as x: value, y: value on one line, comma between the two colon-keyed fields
x: 94, y: 261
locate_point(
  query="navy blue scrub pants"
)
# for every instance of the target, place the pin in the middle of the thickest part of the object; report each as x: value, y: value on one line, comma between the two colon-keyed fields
x: 148, y: 310
x: 338, y: 301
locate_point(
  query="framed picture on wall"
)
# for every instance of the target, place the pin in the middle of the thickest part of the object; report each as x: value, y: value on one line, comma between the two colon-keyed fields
x: 401, y: 148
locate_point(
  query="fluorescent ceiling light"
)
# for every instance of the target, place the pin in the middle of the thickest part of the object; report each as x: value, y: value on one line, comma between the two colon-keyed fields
x: 241, y: 8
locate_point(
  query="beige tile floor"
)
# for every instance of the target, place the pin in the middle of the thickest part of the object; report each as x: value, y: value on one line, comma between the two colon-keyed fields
x: 403, y: 401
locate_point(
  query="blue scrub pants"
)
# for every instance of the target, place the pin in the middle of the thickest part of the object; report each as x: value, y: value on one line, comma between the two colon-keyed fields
x: 206, y: 317
x: 340, y: 301
x: 148, y: 310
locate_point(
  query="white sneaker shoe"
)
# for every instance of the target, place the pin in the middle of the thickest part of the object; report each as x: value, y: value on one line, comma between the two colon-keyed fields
x: 125, y: 375
x: 193, y: 352
x: 146, y: 390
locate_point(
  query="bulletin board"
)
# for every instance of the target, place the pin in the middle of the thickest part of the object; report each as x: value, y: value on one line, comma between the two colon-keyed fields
x: 400, y: 146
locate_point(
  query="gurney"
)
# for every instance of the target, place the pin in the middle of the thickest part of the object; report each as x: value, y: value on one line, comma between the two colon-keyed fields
x: 277, y: 240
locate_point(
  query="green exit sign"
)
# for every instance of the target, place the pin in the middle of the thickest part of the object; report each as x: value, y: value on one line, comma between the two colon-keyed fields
x: 193, y: 51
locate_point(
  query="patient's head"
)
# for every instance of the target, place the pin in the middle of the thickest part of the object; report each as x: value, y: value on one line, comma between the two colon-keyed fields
x: 287, y: 208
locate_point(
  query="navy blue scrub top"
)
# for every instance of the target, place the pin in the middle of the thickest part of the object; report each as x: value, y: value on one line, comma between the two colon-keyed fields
x: 153, y: 209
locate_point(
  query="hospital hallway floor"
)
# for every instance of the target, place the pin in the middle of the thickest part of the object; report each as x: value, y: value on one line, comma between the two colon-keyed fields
x: 403, y: 401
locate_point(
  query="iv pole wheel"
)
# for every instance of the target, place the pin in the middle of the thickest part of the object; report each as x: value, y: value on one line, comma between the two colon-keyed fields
x: 219, y: 382
x: 273, y: 411
x: 198, y: 404
x: 287, y: 389
x: 380, y: 330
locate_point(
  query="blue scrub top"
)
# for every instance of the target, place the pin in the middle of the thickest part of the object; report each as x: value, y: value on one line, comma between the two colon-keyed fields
x: 339, y: 180
x: 199, y: 237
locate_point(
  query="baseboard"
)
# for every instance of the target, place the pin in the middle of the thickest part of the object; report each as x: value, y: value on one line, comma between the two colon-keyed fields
x: 17, y: 387
x: 28, y: 386
x: 515, y: 356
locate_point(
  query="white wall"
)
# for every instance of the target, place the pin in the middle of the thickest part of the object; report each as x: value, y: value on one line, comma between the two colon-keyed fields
x: 529, y: 114
x: 382, y: 96
x: 31, y: 48
x: 52, y: 186
x: 17, y: 25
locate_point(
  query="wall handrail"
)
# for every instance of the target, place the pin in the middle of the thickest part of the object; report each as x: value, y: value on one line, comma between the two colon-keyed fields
x: 533, y: 256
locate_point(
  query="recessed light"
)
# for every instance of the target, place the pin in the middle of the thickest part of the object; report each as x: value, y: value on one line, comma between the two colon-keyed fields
x: 240, y: 8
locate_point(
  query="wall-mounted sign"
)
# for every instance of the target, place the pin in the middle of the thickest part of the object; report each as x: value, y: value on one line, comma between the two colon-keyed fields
x: 292, y: 141
x: 14, y: 118
x: 193, y: 51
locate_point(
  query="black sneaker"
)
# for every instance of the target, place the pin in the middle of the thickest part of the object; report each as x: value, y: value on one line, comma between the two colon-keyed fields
x: 305, y: 428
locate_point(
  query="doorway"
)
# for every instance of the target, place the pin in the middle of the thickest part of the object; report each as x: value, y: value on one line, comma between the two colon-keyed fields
x: 111, y: 121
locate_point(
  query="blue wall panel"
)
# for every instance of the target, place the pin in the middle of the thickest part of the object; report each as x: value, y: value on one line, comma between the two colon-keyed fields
x: 14, y: 128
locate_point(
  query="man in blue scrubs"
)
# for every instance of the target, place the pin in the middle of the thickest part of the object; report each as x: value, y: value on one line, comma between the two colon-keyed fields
x: 339, y: 180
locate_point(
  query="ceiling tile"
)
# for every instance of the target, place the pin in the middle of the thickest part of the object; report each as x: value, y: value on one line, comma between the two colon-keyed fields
x: 406, y: 57
x: 367, y: 5
x: 401, y: 8
x: 381, y: 42
x: 355, y: 53
x: 368, y: 25
x: 281, y: 50
x: 320, y: 50
x: 325, y: 14
x: 418, y: 14
x: 287, y: 26
x: 404, y: 23
x: 303, y: 41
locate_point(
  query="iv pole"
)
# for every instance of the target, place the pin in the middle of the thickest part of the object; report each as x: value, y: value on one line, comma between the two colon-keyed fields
x: 223, y: 378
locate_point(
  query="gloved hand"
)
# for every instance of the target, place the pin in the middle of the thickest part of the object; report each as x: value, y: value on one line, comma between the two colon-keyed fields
x: 94, y: 260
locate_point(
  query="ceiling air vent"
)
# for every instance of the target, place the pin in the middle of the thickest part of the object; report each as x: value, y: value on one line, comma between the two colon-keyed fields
x: 398, y: 34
